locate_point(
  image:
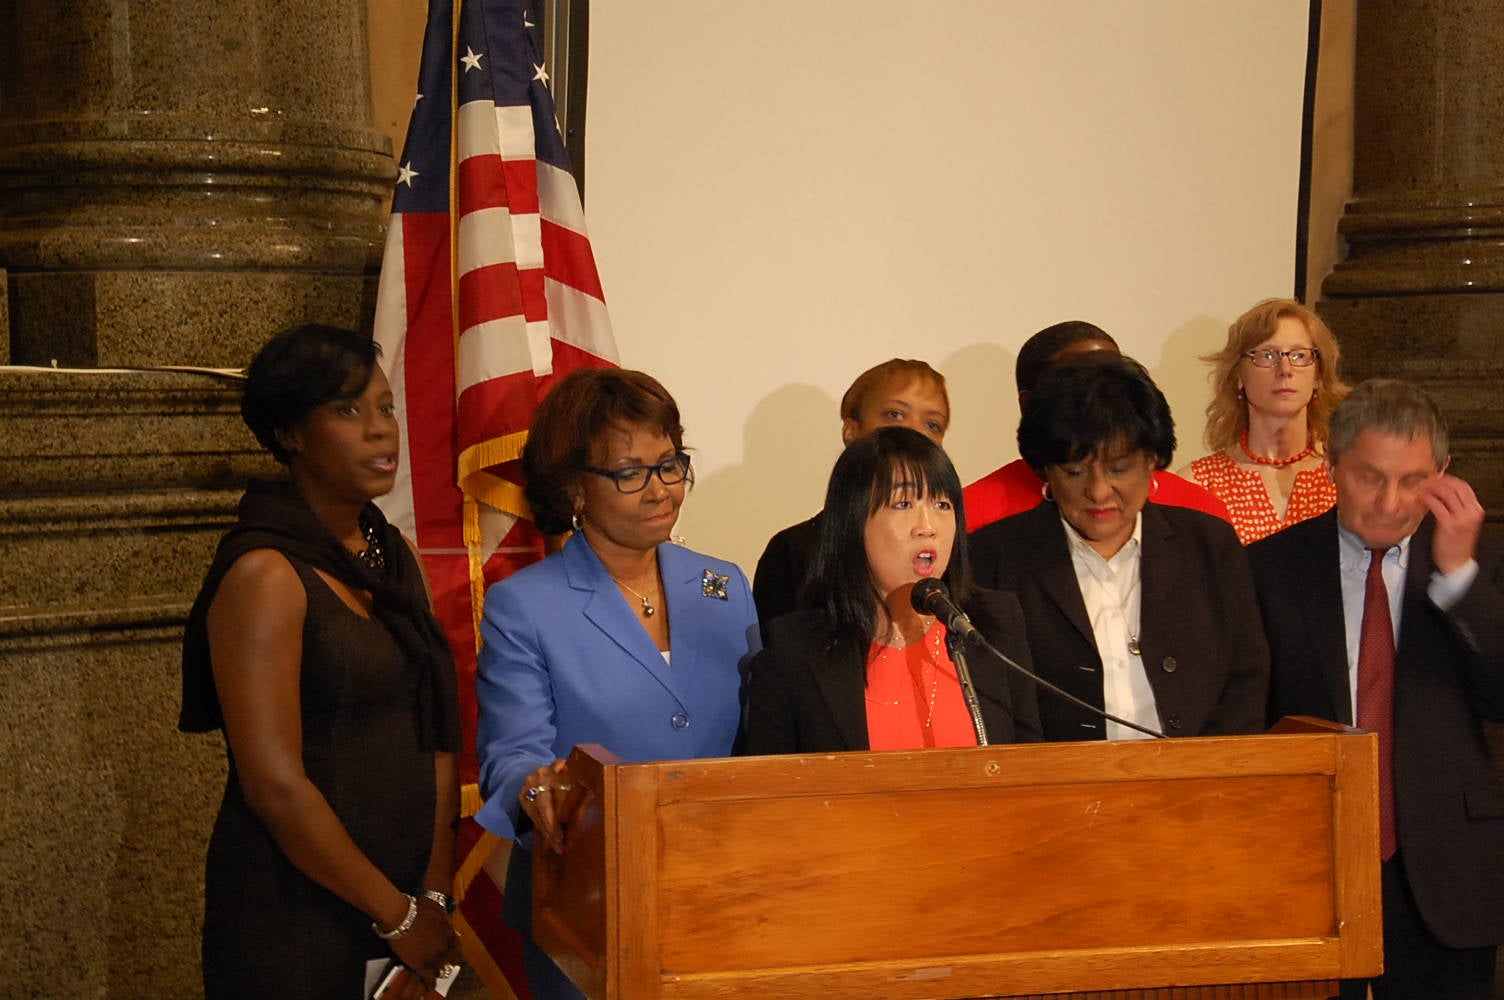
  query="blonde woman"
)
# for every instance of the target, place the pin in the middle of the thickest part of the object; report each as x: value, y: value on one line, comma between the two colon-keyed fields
x: 1274, y: 387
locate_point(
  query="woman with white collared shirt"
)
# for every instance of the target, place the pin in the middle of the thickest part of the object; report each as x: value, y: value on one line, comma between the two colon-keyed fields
x: 1145, y: 611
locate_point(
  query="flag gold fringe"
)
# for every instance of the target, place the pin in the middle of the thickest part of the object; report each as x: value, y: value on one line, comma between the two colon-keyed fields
x: 477, y: 560
x: 470, y: 800
x: 488, y: 488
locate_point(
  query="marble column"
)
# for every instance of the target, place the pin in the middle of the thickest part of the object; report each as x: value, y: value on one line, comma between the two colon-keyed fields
x: 177, y: 181
x: 1420, y: 294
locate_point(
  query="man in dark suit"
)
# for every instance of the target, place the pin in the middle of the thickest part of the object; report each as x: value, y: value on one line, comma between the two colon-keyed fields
x: 1388, y: 613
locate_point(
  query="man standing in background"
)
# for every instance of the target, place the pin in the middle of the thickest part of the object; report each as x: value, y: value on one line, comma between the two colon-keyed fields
x: 1387, y: 613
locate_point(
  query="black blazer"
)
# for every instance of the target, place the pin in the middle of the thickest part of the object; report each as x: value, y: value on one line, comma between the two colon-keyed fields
x: 802, y: 698
x: 1449, y: 674
x: 1201, y: 639
x: 782, y: 569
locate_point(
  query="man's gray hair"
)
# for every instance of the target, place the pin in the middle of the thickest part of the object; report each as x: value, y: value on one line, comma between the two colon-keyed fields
x: 1389, y: 406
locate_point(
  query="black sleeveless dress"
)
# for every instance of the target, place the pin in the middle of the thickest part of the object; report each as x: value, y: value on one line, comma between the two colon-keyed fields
x: 268, y: 929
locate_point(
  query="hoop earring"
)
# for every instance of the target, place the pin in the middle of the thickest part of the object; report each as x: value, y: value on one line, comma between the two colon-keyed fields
x: 1044, y: 492
x: 577, y: 521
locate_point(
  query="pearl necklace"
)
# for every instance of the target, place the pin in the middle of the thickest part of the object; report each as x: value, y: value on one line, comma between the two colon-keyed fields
x: 1278, y: 463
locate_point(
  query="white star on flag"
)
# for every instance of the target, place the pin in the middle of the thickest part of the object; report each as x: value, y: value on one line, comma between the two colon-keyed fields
x: 406, y: 173
x: 539, y: 73
x: 471, y: 59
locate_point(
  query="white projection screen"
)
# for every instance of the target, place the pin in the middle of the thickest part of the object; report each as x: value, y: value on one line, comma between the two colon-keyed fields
x: 782, y: 195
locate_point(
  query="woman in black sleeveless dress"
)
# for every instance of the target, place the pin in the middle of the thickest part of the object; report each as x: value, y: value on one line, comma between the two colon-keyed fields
x: 312, y: 645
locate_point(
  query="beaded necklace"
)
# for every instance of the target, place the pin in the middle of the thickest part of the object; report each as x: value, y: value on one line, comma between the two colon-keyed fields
x: 374, y: 556
x: 1278, y: 463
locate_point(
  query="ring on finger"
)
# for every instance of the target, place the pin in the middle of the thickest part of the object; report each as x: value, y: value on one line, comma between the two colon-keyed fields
x: 533, y: 791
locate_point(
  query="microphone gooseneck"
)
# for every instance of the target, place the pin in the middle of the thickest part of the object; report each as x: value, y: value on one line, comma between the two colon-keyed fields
x: 931, y: 597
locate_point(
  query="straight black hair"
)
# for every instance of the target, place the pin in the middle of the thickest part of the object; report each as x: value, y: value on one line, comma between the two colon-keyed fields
x: 840, y: 582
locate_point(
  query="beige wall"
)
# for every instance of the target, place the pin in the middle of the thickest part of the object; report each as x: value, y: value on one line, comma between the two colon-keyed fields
x: 395, y: 28
x: 1331, y: 140
x: 781, y: 197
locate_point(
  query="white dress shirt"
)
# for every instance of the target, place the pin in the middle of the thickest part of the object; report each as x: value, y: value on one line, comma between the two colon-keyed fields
x: 1110, y: 590
x: 1444, y: 590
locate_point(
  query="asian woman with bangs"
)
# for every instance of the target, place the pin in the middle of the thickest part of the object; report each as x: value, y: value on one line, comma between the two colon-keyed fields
x: 859, y: 668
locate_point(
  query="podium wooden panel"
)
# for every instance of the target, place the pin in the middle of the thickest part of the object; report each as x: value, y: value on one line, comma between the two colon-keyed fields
x: 1107, y: 869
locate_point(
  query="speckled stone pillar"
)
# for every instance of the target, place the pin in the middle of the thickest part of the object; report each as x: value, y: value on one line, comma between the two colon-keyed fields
x: 1421, y: 292
x: 115, y: 489
x: 1420, y: 295
x: 177, y: 180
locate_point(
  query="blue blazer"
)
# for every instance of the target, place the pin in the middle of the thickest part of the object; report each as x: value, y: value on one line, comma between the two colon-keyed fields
x: 565, y: 660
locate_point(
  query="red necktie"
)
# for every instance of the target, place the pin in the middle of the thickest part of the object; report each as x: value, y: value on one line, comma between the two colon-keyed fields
x: 1376, y: 690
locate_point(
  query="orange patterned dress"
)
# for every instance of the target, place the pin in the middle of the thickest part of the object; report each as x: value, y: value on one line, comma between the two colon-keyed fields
x: 1247, y: 499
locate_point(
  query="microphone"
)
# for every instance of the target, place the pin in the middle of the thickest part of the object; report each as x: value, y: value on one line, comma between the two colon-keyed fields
x: 930, y: 597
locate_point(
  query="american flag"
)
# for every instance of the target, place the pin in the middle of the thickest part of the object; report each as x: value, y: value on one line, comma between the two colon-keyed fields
x: 488, y: 293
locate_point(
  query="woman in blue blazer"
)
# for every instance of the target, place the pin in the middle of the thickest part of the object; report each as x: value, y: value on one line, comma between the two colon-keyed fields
x: 622, y: 638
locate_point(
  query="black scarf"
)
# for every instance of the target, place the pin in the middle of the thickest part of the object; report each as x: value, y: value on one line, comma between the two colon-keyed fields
x: 273, y: 516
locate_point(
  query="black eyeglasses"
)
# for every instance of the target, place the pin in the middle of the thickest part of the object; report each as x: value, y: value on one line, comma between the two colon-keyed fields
x: 1268, y: 357
x: 635, y: 478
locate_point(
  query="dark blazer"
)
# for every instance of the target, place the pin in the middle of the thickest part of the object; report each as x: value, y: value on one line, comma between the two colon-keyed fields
x: 803, y: 698
x: 1202, y: 641
x: 1449, y: 674
x: 782, y: 569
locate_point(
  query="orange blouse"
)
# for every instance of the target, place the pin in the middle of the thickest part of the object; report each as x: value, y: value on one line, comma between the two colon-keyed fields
x: 1248, y: 499
x: 914, y: 697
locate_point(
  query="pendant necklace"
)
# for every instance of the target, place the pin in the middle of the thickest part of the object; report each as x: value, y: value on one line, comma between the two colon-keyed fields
x: 1133, y: 646
x: 648, y: 610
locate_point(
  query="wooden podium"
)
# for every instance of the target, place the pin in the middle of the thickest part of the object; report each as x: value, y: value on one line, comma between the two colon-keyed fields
x: 1157, y: 868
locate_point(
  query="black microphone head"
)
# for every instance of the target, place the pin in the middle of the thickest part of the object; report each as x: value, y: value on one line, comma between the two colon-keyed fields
x: 925, y: 592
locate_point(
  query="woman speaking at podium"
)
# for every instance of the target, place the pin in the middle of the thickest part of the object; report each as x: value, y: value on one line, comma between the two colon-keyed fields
x: 859, y: 668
